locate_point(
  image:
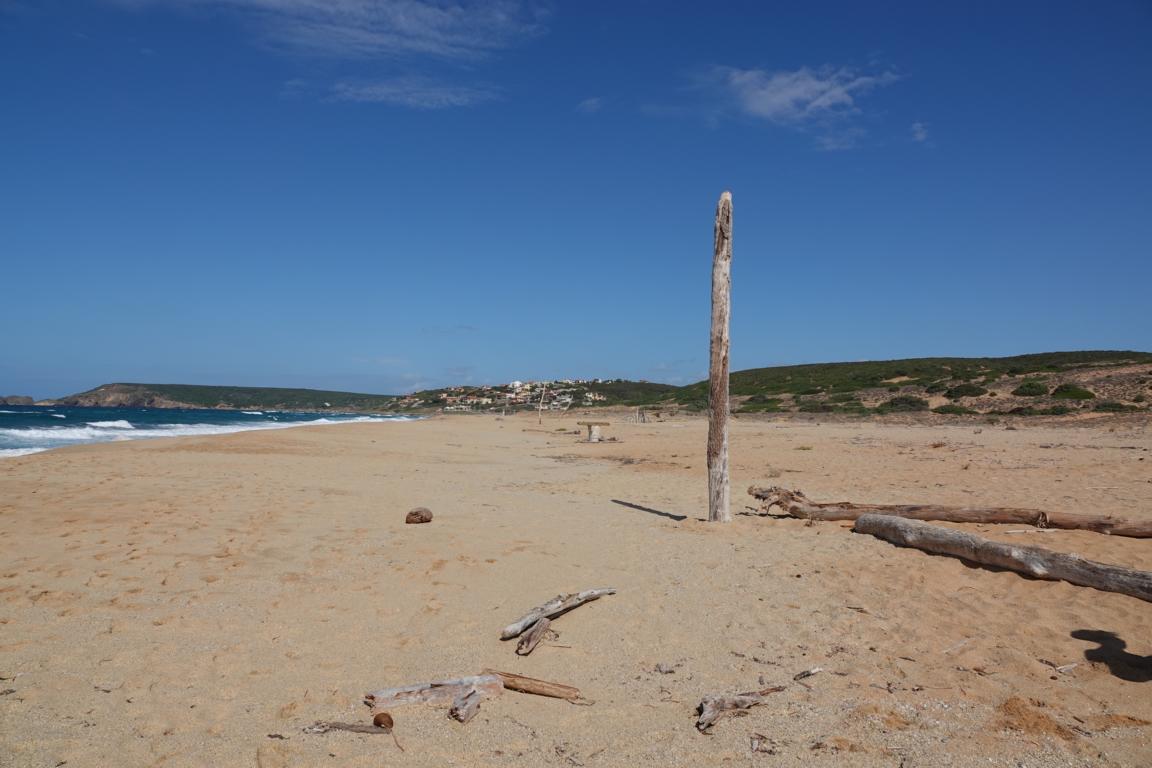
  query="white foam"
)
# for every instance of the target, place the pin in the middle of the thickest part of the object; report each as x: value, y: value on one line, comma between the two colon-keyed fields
x: 57, y: 415
x: 9, y: 453
x: 253, y: 413
x: 43, y: 439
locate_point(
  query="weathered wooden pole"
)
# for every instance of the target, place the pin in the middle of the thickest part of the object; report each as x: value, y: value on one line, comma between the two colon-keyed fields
x: 719, y: 502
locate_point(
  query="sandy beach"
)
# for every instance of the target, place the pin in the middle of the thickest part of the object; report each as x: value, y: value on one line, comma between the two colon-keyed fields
x: 199, y: 601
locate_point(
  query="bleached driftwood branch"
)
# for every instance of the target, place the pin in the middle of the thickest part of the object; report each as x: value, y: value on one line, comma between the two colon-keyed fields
x: 557, y: 606
x: 796, y: 504
x: 465, y: 707
x: 436, y: 692
x: 715, y: 706
x: 530, y: 639
x: 1033, y: 561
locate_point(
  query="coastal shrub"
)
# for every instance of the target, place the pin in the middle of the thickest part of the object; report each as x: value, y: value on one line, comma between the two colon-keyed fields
x: 965, y: 390
x: 936, y: 387
x: 843, y: 397
x: 1138, y: 399
x: 1031, y: 388
x: 1073, y: 392
x: 816, y: 407
x: 1028, y: 410
x: 1111, y: 406
x: 951, y: 409
x: 904, y: 403
x: 761, y: 404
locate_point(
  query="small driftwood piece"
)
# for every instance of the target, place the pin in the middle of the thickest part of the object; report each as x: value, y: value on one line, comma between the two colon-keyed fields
x: 324, y: 726
x: 557, y: 606
x: 514, y: 682
x: 713, y: 707
x: 1033, y: 561
x: 796, y: 504
x: 440, y: 692
x: 465, y: 707
x: 530, y: 639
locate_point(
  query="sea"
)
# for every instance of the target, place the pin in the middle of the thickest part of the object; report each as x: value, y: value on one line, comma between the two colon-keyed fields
x: 31, y: 429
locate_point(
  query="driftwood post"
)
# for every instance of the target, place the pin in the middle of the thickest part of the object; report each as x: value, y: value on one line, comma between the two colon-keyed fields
x: 719, y: 506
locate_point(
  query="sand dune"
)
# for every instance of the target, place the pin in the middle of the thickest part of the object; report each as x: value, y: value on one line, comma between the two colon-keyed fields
x: 198, y: 601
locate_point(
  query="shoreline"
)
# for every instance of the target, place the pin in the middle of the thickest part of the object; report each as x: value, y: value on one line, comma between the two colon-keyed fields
x: 177, y: 600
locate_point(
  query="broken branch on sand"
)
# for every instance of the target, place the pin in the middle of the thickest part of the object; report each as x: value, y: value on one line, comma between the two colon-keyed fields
x: 465, y: 707
x: 514, y: 682
x: 1033, y: 561
x: 713, y: 707
x: 796, y: 504
x: 557, y: 606
x: 436, y: 692
x: 529, y: 640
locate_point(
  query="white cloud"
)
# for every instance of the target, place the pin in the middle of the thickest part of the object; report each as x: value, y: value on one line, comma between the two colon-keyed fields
x: 416, y: 92
x: 919, y: 131
x: 590, y: 105
x: 799, y: 95
x: 348, y: 29
x: 823, y: 101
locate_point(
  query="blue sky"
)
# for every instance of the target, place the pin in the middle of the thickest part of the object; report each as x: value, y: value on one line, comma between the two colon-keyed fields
x: 382, y: 196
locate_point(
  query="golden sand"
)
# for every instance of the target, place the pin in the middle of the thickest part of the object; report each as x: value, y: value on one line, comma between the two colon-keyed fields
x: 199, y: 601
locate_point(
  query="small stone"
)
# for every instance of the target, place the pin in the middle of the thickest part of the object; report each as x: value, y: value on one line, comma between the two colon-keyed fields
x: 419, y: 515
x: 665, y: 669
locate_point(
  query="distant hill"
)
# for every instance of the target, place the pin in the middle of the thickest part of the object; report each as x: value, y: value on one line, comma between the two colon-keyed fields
x: 199, y: 396
x: 945, y: 384
x: 1051, y: 383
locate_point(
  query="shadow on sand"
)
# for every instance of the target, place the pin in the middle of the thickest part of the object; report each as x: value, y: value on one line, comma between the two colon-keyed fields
x: 649, y: 510
x: 1121, y: 663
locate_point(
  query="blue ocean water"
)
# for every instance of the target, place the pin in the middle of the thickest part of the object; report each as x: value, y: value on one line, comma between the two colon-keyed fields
x: 30, y: 429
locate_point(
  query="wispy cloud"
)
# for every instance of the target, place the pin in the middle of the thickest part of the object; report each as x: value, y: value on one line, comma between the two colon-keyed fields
x: 920, y: 132
x: 415, y: 92
x: 419, y: 50
x: 800, y: 95
x: 824, y: 100
x: 590, y: 105
x: 466, y: 29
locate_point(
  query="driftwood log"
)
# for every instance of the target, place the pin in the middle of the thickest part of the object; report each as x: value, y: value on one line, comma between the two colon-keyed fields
x: 557, y: 606
x: 530, y: 639
x: 514, y: 682
x: 796, y: 504
x: 713, y: 707
x: 1033, y: 561
x: 439, y: 692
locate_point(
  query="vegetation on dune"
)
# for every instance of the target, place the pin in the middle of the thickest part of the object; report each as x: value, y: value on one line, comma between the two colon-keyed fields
x: 933, y: 373
x: 1072, y: 392
x: 965, y: 390
x: 951, y: 409
x: 903, y: 403
x: 1031, y: 388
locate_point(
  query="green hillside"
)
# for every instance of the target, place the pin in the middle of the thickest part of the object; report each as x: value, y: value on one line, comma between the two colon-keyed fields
x: 965, y: 381
x: 201, y: 396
